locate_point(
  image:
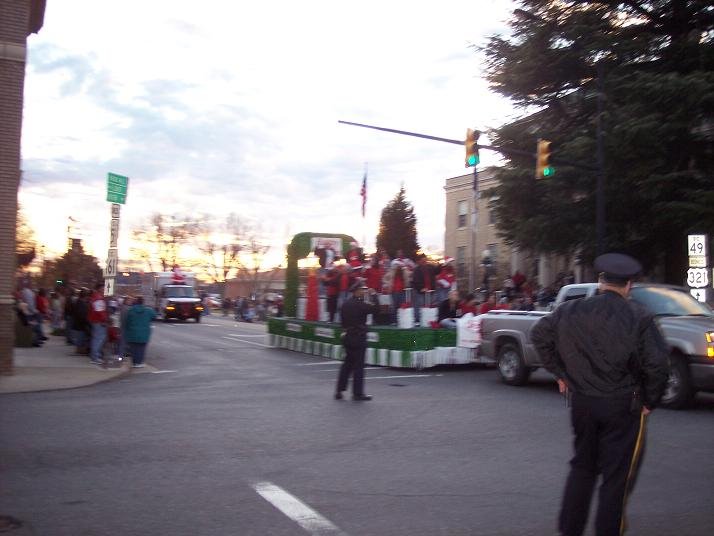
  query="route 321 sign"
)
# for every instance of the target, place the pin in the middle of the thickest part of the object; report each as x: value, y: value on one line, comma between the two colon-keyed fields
x: 697, y: 277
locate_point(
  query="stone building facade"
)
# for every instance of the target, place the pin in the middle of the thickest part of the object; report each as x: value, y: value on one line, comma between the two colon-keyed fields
x: 18, y: 19
x: 481, y: 256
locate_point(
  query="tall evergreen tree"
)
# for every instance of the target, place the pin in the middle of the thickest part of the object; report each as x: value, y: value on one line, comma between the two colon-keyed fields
x: 652, y: 63
x: 397, y: 227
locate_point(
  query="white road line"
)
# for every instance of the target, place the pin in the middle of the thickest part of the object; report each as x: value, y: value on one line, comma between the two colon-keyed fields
x: 333, y: 370
x: 233, y: 338
x: 298, y: 511
x: 246, y: 335
x: 211, y: 325
x: 404, y: 376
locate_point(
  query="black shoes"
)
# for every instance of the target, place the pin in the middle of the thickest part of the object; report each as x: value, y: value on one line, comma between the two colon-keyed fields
x: 338, y: 395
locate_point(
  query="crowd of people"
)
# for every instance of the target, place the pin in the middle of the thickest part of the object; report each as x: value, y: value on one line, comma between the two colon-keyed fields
x: 104, y: 328
x: 401, y: 282
x: 250, y: 310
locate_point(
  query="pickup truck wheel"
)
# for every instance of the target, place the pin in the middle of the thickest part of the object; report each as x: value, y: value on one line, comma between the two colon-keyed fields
x: 510, y: 365
x: 678, y: 394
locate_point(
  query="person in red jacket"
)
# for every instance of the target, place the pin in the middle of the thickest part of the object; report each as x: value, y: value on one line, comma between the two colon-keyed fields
x: 445, y: 280
x: 97, y: 318
x: 331, y: 283
x: 354, y: 256
x: 374, y: 274
x: 488, y: 305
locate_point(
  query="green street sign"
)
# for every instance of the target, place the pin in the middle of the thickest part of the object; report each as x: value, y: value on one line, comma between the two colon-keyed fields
x: 117, y: 186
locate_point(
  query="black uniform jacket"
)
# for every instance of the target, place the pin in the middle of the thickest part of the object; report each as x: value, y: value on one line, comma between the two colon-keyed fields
x: 604, y: 346
x: 354, y: 320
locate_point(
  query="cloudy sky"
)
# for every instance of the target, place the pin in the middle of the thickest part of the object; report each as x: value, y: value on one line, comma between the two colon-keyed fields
x: 232, y: 106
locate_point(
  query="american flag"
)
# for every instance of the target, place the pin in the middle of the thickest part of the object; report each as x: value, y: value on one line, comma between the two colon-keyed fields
x: 363, y: 192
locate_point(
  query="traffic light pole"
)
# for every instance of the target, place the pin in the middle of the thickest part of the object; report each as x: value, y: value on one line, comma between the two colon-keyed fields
x: 502, y: 150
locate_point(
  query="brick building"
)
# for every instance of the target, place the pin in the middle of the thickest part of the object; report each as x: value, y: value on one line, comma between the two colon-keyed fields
x: 18, y: 19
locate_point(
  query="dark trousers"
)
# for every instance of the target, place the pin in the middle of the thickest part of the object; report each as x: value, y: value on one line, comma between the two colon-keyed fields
x: 354, y: 365
x: 137, y: 351
x: 332, y: 306
x: 609, y: 441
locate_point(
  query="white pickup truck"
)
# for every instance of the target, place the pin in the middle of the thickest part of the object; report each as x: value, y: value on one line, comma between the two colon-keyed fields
x: 686, y: 324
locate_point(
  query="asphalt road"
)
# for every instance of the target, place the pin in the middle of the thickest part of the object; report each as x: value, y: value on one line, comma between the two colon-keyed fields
x: 225, y: 436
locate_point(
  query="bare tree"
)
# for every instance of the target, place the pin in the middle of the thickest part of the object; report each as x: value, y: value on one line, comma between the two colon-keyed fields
x: 161, y: 240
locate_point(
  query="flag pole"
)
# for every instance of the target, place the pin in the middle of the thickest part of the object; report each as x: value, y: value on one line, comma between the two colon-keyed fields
x: 364, y: 208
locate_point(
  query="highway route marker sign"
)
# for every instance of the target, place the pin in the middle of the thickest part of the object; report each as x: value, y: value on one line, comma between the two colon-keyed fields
x: 112, y: 261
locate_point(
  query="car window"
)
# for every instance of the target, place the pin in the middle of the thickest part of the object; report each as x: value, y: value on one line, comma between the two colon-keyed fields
x: 669, y: 301
x: 575, y: 293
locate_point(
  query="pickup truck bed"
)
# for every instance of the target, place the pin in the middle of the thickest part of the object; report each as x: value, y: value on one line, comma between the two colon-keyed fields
x: 687, y: 326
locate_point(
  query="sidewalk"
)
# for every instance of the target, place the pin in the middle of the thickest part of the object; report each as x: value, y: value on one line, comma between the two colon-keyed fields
x: 54, y: 366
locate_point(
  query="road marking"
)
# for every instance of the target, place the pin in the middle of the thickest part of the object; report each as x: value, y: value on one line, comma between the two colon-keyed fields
x: 161, y: 371
x: 212, y: 325
x: 320, y: 363
x: 235, y: 339
x: 333, y: 370
x: 298, y: 511
x: 404, y: 376
x: 246, y: 335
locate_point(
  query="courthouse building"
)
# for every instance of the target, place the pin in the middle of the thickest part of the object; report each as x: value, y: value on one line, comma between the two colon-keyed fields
x: 471, y: 238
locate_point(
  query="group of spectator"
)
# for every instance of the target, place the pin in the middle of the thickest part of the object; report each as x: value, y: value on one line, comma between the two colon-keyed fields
x: 94, y: 324
x: 249, y: 310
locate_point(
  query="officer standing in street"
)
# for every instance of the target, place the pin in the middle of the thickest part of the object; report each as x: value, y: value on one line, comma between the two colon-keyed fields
x: 611, y: 362
x: 354, y: 322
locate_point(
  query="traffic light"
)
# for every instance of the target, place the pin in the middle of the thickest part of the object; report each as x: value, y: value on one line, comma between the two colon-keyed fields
x: 471, y: 145
x: 543, y: 167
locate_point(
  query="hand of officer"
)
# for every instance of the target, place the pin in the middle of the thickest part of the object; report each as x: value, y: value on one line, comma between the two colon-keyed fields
x: 646, y: 410
x: 562, y: 386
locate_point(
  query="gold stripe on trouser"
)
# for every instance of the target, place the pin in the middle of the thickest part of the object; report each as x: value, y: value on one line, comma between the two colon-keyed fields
x: 633, y: 468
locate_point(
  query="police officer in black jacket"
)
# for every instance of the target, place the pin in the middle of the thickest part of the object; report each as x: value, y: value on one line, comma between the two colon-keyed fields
x: 354, y: 321
x: 611, y: 361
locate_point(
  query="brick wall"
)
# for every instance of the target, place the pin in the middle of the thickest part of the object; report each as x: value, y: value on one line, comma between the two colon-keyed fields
x: 14, y: 26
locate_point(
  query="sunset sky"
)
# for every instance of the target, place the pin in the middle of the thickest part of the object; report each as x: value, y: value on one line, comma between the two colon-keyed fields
x: 232, y: 106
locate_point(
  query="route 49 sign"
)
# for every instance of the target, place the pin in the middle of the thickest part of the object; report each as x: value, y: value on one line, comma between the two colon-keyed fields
x: 698, y: 277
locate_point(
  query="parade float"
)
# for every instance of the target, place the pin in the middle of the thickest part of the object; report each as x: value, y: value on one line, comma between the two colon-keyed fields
x: 305, y: 330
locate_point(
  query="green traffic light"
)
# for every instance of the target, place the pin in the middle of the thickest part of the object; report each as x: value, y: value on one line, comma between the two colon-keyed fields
x: 473, y: 160
x: 548, y: 171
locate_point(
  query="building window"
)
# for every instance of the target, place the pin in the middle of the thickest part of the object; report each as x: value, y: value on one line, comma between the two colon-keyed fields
x: 461, y: 261
x: 463, y: 209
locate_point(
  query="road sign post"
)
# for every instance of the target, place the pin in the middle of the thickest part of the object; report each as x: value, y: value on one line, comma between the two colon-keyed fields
x: 117, y: 186
x: 698, y: 271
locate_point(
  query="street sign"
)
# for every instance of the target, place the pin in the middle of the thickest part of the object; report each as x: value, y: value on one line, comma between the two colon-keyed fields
x: 699, y: 294
x: 697, y: 245
x: 115, y: 211
x: 698, y: 261
x: 109, y: 286
x: 114, y: 234
x: 117, y: 186
x: 697, y: 277
x: 112, y: 262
